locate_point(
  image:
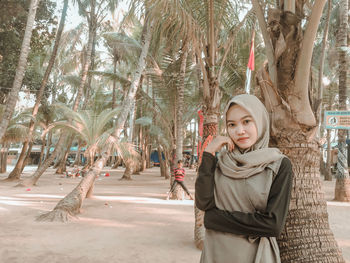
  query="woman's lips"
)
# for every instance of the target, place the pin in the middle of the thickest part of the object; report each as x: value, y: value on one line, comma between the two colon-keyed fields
x: 243, y: 139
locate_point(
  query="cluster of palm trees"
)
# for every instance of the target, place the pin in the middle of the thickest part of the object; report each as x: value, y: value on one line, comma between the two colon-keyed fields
x: 129, y: 86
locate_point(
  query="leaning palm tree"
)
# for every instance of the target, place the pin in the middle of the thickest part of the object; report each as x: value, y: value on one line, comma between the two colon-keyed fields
x: 16, y: 172
x: 21, y: 68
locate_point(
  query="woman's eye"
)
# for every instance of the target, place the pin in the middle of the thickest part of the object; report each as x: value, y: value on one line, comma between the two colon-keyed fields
x: 231, y: 125
x: 246, y: 121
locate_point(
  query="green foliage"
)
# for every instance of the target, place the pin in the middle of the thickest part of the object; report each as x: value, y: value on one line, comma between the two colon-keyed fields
x: 13, y: 18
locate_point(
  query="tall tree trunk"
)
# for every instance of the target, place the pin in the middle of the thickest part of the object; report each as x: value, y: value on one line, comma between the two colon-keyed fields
x: 61, y: 169
x: 3, y: 157
x: 48, y: 146
x: 77, y: 156
x: 342, y: 186
x: 307, y: 236
x: 20, y: 71
x: 328, y: 172
x: 71, y: 204
x: 178, y: 193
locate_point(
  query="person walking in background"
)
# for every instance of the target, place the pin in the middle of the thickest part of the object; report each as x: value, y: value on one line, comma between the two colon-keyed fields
x: 245, y: 190
x: 179, y: 173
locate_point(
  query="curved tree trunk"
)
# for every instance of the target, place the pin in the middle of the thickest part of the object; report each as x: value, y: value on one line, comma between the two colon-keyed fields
x: 70, y: 206
x: 15, y: 174
x: 128, y: 169
x: 20, y: 71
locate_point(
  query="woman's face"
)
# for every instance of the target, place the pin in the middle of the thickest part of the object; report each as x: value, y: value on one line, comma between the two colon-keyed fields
x: 241, y: 127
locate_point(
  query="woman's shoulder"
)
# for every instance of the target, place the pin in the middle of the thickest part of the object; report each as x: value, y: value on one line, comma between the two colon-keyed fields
x: 286, y: 162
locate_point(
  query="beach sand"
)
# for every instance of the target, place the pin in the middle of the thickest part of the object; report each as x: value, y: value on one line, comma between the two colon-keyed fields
x: 125, y: 221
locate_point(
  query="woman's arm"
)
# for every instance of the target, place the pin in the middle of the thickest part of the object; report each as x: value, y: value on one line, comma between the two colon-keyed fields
x: 204, y: 194
x: 268, y: 223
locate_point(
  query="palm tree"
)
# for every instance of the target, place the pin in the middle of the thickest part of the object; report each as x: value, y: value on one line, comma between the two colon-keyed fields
x: 16, y: 172
x: 71, y: 204
x: 342, y: 188
x: 16, y: 132
x: 293, y: 125
x: 21, y: 68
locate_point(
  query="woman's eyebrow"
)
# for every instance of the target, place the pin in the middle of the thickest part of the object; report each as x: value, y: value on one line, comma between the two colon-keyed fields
x: 244, y: 117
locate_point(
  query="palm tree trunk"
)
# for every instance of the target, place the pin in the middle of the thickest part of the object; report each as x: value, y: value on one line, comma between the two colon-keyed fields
x: 21, y: 68
x: 48, y: 146
x: 70, y: 206
x: 293, y: 127
x: 342, y: 187
x: 42, y: 152
x: 3, y: 157
x: 61, y: 169
x: 328, y: 172
x: 178, y: 193
x: 17, y: 170
x: 77, y: 156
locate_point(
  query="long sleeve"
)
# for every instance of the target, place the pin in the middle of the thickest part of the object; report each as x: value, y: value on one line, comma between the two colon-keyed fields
x: 269, y: 223
x: 204, y: 195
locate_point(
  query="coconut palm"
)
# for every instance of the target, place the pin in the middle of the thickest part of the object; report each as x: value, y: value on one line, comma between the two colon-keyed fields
x: 16, y: 172
x: 285, y: 87
x: 342, y: 188
x: 21, y: 68
x: 71, y: 204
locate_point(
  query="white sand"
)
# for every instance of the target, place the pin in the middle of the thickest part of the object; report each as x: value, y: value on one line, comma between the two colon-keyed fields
x: 126, y: 221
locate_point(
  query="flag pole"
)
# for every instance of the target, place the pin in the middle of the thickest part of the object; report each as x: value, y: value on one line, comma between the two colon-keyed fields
x: 250, y: 66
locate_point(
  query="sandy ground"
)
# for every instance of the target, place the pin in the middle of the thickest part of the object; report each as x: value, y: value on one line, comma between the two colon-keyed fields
x: 126, y: 222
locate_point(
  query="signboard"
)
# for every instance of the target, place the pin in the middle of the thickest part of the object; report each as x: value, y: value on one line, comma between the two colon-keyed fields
x: 337, y: 119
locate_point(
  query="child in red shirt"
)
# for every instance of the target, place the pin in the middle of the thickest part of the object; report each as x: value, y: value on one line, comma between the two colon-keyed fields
x: 179, y: 179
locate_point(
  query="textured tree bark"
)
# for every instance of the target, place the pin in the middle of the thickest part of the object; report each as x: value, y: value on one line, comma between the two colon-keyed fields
x: 209, y: 129
x: 307, y: 236
x: 70, y: 206
x: 342, y: 188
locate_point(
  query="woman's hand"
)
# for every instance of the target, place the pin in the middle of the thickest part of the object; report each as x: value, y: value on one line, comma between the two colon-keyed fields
x: 216, y: 144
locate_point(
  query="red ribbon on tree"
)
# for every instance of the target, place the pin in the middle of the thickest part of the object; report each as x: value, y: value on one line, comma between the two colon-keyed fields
x: 200, y: 132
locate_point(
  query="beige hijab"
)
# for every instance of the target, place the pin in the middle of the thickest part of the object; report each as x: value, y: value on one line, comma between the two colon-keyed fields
x: 251, y: 161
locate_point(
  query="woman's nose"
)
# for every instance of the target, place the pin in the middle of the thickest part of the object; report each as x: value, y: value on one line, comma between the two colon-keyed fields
x: 240, y: 130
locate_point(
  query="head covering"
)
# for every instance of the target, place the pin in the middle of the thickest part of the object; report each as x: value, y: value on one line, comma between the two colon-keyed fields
x: 251, y: 161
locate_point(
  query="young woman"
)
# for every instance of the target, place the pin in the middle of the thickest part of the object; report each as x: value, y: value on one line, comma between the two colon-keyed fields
x: 245, y: 191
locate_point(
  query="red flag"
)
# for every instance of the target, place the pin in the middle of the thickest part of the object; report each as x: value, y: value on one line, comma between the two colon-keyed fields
x: 251, y: 54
